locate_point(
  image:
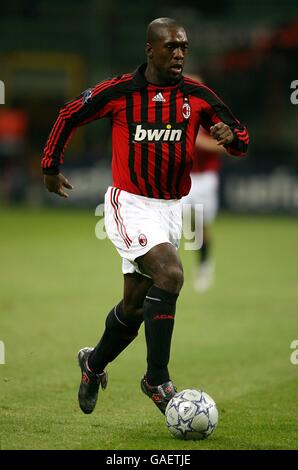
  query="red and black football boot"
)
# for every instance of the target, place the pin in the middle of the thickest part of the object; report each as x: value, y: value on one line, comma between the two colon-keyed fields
x: 90, y: 382
x: 159, y: 394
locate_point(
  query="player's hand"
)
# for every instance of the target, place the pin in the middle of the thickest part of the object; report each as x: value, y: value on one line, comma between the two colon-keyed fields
x: 56, y: 183
x: 222, y: 133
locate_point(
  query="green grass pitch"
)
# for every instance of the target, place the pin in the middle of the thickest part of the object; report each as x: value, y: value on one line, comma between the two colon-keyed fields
x: 57, y: 284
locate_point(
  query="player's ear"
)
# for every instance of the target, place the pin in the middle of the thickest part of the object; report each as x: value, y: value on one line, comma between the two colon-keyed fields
x: 149, y: 50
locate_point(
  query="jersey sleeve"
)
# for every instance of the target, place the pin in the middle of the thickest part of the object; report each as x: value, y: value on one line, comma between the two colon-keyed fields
x: 215, y: 110
x: 93, y: 103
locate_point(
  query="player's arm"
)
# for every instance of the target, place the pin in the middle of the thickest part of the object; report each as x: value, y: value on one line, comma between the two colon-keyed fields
x: 207, y: 143
x: 90, y: 105
x: 223, y: 126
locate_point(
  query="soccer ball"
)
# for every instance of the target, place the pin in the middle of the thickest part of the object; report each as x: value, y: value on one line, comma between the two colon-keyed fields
x: 191, y: 414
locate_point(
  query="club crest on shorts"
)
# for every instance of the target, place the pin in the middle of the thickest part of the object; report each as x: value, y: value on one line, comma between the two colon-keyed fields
x: 142, y: 239
x: 186, y: 110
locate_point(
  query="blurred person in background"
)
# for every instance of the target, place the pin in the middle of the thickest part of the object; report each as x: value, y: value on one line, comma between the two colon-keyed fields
x: 204, y: 191
x: 155, y: 114
x: 13, y: 166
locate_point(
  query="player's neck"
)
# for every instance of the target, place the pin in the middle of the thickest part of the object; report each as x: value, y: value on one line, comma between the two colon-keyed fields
x: 153, y: 77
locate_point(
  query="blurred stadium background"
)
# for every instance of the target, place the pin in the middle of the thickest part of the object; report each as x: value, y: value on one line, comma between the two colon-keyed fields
x: 58, y: 281
x: 50, y: 51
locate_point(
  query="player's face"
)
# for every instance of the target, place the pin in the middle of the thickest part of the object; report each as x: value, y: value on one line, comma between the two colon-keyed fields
x: 168, y: 54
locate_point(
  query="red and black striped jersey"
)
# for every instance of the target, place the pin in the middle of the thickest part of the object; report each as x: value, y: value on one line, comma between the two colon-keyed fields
x: 153, y: 131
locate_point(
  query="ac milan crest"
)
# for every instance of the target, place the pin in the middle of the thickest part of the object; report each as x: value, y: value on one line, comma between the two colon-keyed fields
x: 142, y: 239
x: 186, y: 110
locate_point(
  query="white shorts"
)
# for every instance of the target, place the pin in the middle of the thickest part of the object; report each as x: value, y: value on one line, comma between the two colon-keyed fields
x: 204, y: 190
x: 135, y: 224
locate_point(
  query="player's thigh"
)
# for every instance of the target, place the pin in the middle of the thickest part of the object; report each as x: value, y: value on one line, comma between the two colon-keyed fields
x: 161, y: 260
x: 136, y: 287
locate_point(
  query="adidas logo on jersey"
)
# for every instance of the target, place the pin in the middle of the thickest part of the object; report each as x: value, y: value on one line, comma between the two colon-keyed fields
x: 156, y: 135
x: 158, y: 97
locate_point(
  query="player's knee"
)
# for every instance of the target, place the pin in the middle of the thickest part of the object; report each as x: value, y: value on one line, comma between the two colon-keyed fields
x: 176, y: 277
x: 172, y: 279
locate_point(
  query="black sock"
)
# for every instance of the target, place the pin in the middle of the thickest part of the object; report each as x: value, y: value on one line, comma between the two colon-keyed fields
x: 204, y: 251
x: 120, y: 331
x: 158, y: 311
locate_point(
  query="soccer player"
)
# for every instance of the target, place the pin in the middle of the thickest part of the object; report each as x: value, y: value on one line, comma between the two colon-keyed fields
x: 155, y: 114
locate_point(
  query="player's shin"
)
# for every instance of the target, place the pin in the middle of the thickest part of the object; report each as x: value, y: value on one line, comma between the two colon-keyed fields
x: 159, y: 311
x: 118, y: 334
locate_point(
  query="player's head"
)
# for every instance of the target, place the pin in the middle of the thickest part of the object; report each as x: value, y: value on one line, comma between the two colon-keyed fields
x: 166, y: 49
